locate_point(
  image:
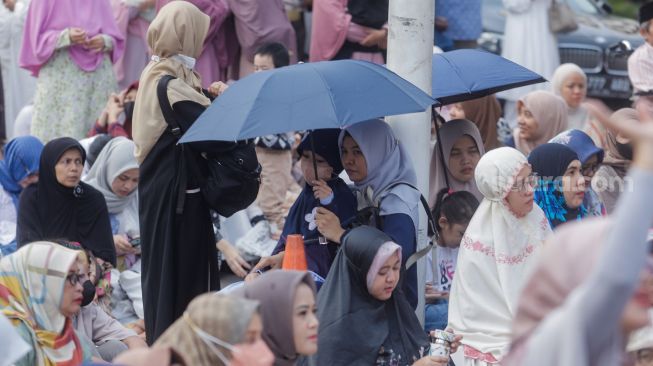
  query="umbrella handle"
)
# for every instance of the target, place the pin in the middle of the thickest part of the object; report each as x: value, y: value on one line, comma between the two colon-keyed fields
x: 310, y: 136
x: 439, y: 144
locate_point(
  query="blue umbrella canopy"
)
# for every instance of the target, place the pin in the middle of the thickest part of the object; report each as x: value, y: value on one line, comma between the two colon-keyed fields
x: 329, y: 94
x: 469, y: 74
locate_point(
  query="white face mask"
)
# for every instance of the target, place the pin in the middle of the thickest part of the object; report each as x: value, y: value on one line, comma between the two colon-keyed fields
x: 255, y: 354
x: 187, y: 61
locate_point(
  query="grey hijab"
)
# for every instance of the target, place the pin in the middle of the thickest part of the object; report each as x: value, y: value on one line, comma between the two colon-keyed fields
x: 114, y: 159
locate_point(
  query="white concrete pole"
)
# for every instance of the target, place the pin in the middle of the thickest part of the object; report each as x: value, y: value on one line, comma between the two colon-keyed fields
x: 410, y: 52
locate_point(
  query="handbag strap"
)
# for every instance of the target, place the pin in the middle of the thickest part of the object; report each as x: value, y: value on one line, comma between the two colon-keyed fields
x: 174, y: 127
x: 432, y: 228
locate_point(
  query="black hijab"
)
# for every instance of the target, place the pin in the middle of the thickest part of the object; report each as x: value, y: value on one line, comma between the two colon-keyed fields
x: 49, y: 210
x: 353, y: 324
x: 550, y: 162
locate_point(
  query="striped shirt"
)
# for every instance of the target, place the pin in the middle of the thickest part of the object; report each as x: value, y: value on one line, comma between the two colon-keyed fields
x: 640, y: 68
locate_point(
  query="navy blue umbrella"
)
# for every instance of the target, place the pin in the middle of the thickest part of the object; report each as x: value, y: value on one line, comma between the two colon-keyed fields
x: 330, y: 94
x: 469, y: 74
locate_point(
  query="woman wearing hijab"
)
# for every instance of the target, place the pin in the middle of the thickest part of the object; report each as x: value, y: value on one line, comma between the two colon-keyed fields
x: 349, y: 29
x: 61, y: 206
x: 485, y: 113
x: 560, y: 190
x: 49, y: 272
x: 18, y: 169
x: 132, y: 19
x: 289, y: 313
x: 570, y: 82
x: 361, y: 299
x: 384, y: 177
x: 115, y: 174
x: 178, y: 251
x: 590, y: 157
x: 72, y: 57
x: 579, y: 308
x: 542, y: 115
x: 462, y: 147
x: 609, y: 179
x: 324, y: 144
x: 217, y: 53
x: 502, y: 243
x: 219, y: 330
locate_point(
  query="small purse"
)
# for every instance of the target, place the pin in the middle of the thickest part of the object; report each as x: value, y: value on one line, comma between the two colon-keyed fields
x: 561, y: 17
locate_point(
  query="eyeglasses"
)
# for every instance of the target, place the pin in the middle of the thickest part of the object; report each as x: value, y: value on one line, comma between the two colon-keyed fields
x: 590, y: 169
x: 525, y: 184
x: 74, y: 278
x: 645, y: 355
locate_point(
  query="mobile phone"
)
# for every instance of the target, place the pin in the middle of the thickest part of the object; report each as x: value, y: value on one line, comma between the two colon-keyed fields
x: 135, y: 242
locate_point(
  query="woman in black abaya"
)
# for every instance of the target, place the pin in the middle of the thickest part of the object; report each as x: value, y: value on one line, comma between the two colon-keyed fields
x: 61, y: 206
x: 179, y: 257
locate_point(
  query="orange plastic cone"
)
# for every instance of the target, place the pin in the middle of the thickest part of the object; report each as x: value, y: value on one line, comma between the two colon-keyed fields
x: 294, y: 257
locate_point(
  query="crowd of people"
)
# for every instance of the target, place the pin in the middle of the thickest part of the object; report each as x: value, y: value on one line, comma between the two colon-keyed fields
x: 110, y: 252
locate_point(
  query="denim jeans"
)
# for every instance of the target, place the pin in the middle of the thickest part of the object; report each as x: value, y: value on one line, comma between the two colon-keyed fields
x: 437, y: 315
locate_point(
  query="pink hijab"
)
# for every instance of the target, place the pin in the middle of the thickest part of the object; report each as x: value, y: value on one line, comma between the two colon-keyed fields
x: 550, y: 112
x: 558, y: 275
x: 330, y: 25
x: 46, y: 19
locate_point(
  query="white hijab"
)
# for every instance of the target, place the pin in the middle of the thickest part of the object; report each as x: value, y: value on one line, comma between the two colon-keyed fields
x: 576, y: 117
x: 496, y: 254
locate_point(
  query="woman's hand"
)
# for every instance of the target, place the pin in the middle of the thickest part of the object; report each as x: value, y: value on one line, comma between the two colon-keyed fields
x: 274, y: 262
x: 114, y: 108
x: 77, y: 35
x: 321, y: 189
x: 328, y: 224
x: 432, y: 361
x: 217, y: 88
x: 238, y: 265
x: 377, y: 37
x: 122, y: 245
x: 95, y: 44
x: 456, y: 343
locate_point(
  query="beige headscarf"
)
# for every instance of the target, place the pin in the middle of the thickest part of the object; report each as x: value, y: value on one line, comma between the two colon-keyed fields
x: 178, y: 29
x: 221, y: 316
x: 550, y: 112
x: 485, y: 113
x: 612, y: 156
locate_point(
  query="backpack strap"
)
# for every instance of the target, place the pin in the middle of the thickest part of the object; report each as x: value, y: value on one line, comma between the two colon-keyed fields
x: 432, y: 228
x: 175, y: 128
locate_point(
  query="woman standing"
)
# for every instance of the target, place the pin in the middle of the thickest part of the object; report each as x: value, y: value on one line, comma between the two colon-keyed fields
x: 528, y: 41
x: 503, y: 241
x: 132, y: 18
x: 72, y: 57
x: 178, y: 252
x: 349, y: 29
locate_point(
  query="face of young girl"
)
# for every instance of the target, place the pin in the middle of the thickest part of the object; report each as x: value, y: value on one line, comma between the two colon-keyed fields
x: 386, y: 278
x: 324, y: 170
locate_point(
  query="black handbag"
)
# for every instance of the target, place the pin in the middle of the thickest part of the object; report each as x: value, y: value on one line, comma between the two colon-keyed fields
x: 233, y: 173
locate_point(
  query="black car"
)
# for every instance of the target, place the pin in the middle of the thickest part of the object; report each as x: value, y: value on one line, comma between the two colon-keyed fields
x: 600, y: 46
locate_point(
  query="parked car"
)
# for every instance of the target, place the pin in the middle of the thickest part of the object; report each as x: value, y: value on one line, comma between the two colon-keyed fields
x: 600, y: 46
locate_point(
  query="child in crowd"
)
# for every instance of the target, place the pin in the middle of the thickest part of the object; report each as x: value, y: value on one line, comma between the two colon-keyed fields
x: 452, y: 212
x: 328, y: 190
